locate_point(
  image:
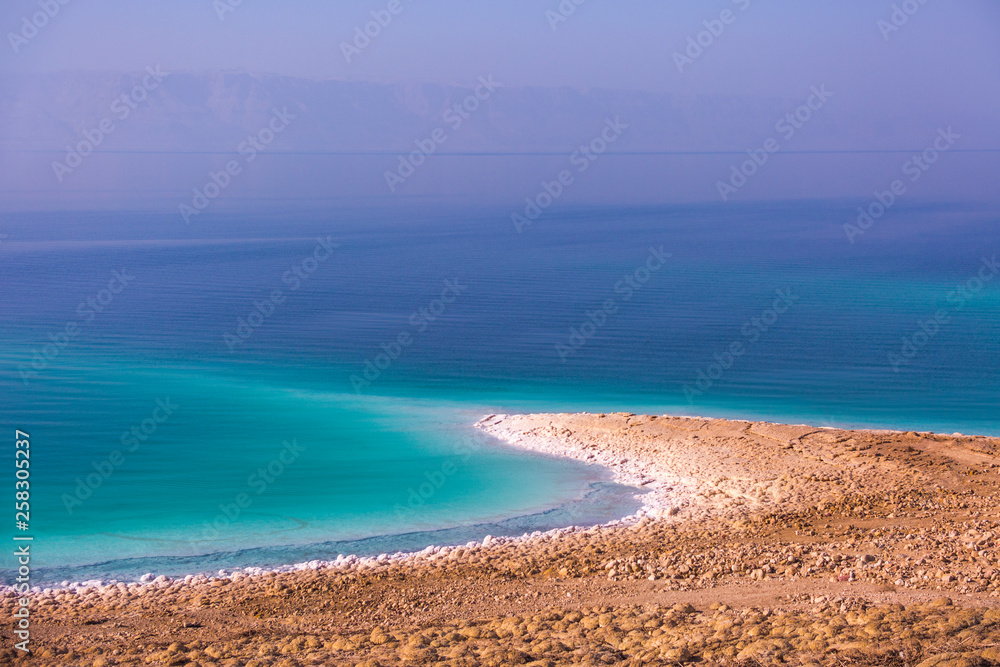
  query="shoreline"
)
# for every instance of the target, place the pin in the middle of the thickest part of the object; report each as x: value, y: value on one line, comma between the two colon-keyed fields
x: 508, y: 429
x: 347, y: 558
x: 344, y: 562
x: 764, y: 542
x: 680, y: 482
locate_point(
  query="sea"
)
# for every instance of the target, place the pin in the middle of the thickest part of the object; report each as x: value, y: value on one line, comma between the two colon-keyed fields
x: 268, y: 387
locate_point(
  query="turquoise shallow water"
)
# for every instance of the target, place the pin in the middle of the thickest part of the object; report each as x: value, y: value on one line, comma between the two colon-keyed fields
x: 234, y: 471
x: 393, y: 462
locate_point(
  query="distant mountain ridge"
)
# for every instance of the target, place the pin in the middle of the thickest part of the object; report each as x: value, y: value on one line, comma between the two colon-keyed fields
x: 161, y: 143
x: 215, y: 110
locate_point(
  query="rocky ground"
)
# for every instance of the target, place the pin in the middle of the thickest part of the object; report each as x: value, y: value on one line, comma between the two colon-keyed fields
x: 763, y: 544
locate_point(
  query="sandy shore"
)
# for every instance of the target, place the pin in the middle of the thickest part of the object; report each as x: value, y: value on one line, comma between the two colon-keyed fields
x: 759, y: 544
x: 697, y: 468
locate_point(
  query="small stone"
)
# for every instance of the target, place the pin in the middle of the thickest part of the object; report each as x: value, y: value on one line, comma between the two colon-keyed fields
x: 675, y: 654
x: 992, y: 653
x: 951, y: 660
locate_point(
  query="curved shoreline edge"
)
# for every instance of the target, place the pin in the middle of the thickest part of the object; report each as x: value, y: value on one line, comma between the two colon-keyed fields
x: 701, y: 467
x: 675, y: 488
x: 763, y: 544
x: 344, y: 562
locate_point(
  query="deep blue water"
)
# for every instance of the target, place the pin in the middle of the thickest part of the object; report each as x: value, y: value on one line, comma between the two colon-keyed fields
x: 574, y: 313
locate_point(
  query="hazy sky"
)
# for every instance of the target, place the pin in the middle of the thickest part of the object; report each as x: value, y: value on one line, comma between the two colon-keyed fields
x: 935, y: 66
x: 771, y: 46
x: 945, y: 56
